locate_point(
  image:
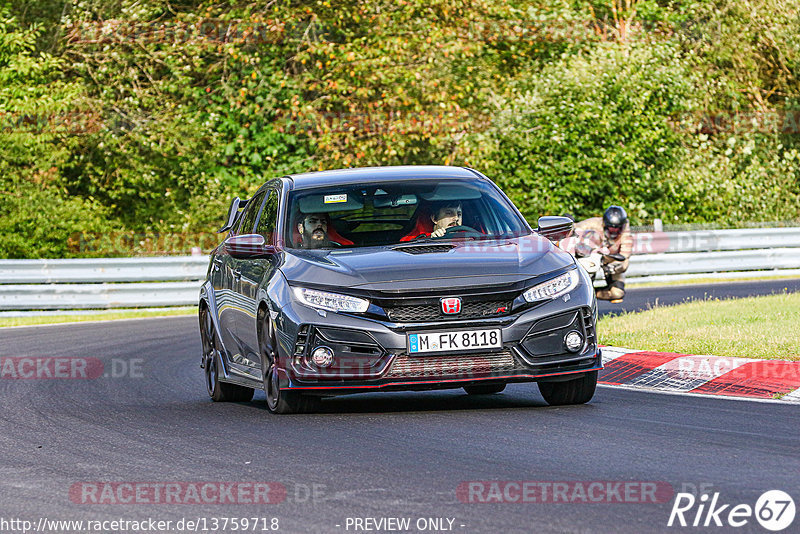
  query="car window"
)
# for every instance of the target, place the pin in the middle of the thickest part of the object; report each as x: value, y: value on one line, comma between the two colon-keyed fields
x: 269, y: 217
x: 362, y: 215
x: 249, y: 215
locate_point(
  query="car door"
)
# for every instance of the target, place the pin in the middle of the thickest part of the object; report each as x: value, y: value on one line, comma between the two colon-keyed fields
x: 223, y: 280
x: 235, y: 307
x: 255, y: 273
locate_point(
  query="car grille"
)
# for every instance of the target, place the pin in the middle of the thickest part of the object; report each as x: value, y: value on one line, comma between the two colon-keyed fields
x: 460, y: 365
x: 433, y: 312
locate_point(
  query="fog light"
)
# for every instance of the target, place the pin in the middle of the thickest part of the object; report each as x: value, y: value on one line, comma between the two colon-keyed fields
x: 322, y: 356
x: 574, y: 341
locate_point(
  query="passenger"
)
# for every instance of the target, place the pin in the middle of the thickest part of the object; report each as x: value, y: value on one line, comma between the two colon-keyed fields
x: 313, y: 230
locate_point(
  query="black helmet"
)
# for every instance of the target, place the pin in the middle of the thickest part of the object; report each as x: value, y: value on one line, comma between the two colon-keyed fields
x: 614, y: 219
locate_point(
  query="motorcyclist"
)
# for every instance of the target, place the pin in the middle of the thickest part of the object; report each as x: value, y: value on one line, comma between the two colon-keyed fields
x: 609, y: 236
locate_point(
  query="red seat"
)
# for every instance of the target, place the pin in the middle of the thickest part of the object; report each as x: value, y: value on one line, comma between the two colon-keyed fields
x: 422, y: 226
x: 335, y: 236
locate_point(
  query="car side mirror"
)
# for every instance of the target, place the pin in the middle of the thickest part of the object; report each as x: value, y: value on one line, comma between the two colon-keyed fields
x: 233, y: 214
x: 555, y: 228
x: 248, y: 246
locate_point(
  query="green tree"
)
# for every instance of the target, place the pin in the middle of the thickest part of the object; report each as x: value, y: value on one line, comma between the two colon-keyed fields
x: 39, y: 129
x: 589, y: 130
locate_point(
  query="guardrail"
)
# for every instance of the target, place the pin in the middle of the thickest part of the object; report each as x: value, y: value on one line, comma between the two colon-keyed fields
x: 722, y: 254
x: 90, y: 296
x: 85, y: 271
x: 101, y: 283
x: 175, y: 280
x: 716, y: 240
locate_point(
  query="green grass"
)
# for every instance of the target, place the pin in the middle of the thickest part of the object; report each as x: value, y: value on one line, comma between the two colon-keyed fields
x: 98, y: 316
x: 755, y: 327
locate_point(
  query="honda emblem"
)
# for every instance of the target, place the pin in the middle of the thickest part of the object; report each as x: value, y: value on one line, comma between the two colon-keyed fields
x: 451, y: 305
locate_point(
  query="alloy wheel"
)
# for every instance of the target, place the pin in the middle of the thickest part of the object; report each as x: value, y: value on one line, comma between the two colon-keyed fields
x: 209, y: 354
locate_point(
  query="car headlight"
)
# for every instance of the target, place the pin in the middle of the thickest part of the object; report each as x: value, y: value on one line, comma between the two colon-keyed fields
x: 330, y: 301
x: 554, y: 288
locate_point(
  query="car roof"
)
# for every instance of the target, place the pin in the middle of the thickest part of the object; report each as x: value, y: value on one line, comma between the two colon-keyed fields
x: 379, y: 175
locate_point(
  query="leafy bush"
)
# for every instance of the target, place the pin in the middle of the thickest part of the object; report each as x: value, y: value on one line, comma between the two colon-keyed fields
x: 145, y: 117
x: 36, y: 139
x: 589, y: 130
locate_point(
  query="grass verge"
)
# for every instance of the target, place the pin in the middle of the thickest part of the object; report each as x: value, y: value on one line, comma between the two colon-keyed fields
x: 98, y: 316
x: 755, y: 327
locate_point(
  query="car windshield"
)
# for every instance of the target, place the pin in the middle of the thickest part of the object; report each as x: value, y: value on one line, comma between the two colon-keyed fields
x: 364, y: 215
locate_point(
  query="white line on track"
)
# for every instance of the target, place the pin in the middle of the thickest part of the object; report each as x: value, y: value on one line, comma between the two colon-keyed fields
x: 72, y: 323
x: 793, y: 400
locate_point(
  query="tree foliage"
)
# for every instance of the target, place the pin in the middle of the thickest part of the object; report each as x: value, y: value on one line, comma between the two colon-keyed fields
x: 37, y: 122
x: 147, y: 116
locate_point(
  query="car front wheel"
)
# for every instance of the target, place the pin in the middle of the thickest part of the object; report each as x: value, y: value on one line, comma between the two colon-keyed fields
x: 217, y: 390
x: 576, y: 391
x: 280, y: 401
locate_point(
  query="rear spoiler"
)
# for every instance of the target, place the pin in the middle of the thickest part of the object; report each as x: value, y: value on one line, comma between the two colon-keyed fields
x: 237, y: 206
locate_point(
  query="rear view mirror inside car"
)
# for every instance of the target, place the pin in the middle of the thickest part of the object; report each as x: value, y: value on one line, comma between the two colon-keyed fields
x: 392, y: 201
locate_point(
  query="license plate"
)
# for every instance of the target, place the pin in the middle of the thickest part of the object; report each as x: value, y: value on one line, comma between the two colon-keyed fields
x: 454, y: 341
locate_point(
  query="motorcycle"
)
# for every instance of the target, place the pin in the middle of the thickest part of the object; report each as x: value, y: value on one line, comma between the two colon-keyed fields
x: 592, y: 260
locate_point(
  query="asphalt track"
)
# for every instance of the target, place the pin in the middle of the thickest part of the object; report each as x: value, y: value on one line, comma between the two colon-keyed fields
x: 370, y: 455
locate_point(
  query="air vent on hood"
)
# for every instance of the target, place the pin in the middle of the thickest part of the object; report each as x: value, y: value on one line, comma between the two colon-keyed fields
x: 425, y: 249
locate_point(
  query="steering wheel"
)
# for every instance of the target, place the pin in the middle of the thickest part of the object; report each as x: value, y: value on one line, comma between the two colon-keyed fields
x: 462, y: 231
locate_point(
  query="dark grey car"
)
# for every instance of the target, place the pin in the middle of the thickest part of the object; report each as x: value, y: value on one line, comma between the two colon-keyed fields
x: 393, y: 278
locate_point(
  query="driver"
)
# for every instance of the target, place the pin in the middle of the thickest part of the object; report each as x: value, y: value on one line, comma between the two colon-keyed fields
x: 313, y: 230
x: 445, y: 215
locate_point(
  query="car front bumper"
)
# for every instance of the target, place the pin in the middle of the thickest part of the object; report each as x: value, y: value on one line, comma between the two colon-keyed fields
x: 371, y: 354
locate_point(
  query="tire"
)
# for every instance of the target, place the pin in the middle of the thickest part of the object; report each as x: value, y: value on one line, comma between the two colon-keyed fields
x: 280, y: 401
x: 577, y: 391
x: 484, y: 389
x: 218, y: 391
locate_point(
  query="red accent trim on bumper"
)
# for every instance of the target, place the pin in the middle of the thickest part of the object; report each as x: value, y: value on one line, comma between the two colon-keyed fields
x: 390, y: 384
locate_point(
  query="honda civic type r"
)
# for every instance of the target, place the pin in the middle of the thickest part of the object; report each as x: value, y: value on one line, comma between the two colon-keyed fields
x: 393, y: 278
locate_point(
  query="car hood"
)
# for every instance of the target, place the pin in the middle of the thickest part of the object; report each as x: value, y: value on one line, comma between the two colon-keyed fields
x: 391, y: 269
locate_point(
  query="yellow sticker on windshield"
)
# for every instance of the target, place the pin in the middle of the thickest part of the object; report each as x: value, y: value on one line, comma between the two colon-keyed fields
x: 335, y: 199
